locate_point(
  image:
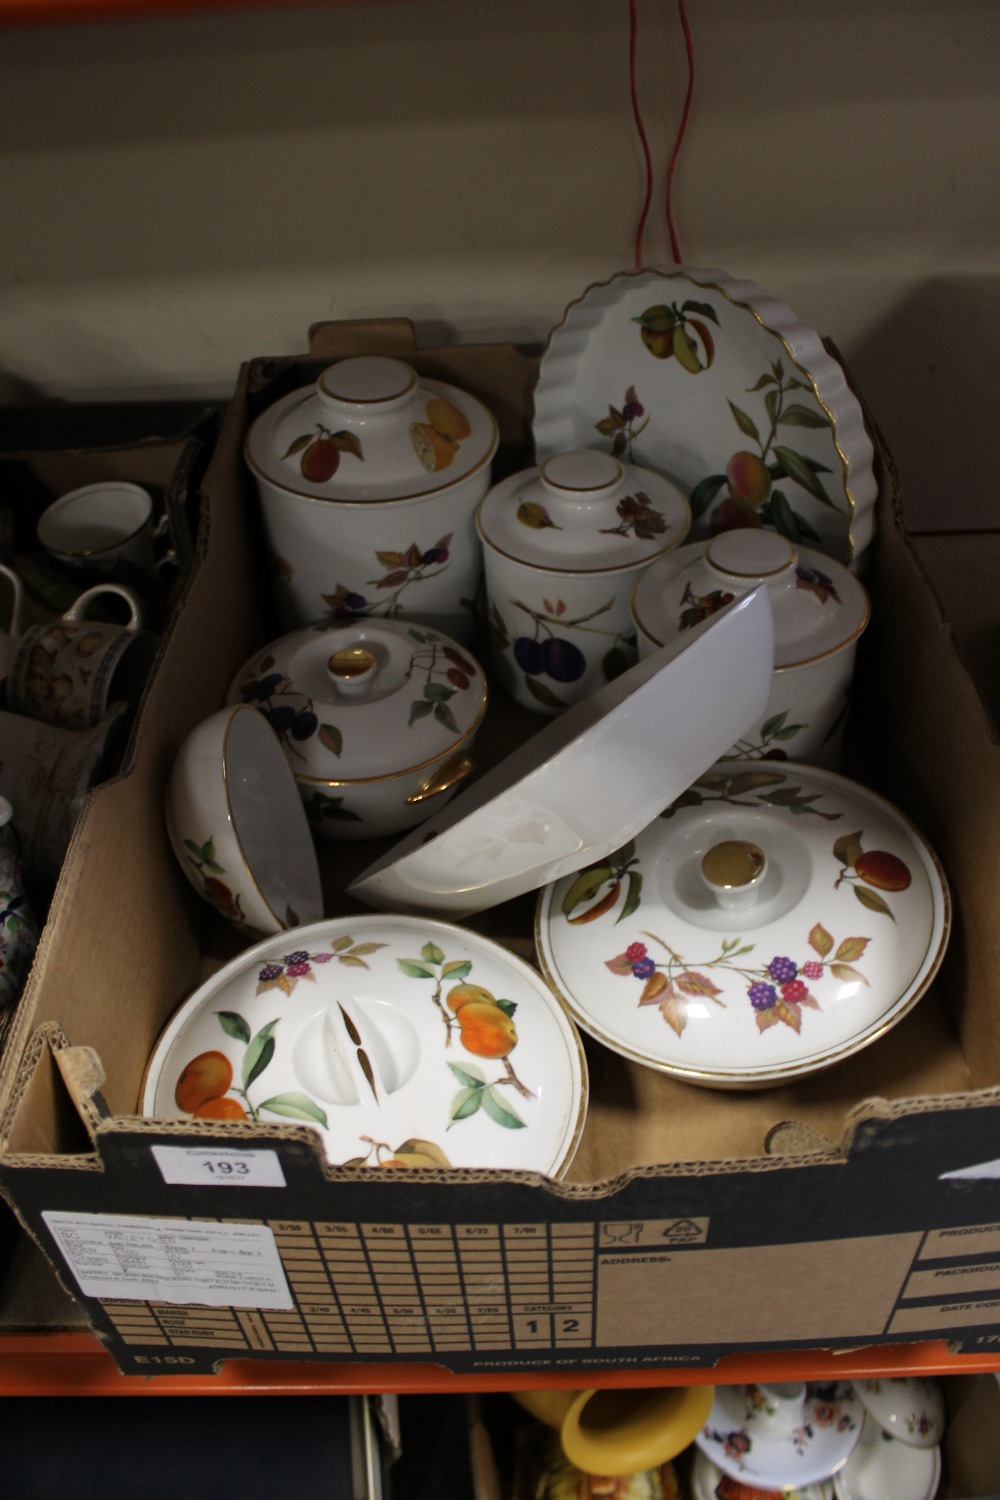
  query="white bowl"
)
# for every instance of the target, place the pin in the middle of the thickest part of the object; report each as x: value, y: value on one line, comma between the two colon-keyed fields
x: 237, y: 825
x: 595, y: 775
x: 404, y: 1042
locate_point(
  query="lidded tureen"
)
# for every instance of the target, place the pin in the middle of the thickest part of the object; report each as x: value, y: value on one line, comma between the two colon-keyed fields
x: 376, y: 717
x: 775, y: 919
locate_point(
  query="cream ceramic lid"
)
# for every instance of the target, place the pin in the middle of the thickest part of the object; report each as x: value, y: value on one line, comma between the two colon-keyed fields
x: 371, y: 429
x: 819, y: 606
x: 782, y: 1436
x: 910, y: 1408
x: 363, y: 699
x: 584, y: 512
x: 766, y: 925
x: 404, y: 1042
x: 881, y: 1468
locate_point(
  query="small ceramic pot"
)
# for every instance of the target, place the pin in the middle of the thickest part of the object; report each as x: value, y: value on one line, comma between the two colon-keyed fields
x: 18, y: 928
x: 621, y: 1432
x: 377, y: 719
x: 104, y: 529
x: 563, y: 547
x: 237, y: 825
x: 45, y: 772
x: 368, y: 483
x: 820, y: 611
x: 67, y: 671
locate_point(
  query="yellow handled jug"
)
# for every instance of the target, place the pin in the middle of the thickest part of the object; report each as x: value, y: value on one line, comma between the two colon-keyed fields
x: 621, y: 1431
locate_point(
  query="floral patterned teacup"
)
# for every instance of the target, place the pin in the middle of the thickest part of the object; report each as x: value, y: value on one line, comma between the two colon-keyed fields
x: 66, y: 671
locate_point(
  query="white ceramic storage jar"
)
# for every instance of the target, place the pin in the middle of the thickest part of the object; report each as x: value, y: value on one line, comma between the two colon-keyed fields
x: 368, y: 483
x: 820, y: 610
x: 563, y: 546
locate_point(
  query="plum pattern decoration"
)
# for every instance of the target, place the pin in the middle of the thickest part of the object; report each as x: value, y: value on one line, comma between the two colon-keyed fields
x: 404, y: 568
x: 548, y: 654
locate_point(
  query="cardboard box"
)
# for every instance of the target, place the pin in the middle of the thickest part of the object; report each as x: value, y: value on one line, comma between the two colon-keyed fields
x: 692, y: 1224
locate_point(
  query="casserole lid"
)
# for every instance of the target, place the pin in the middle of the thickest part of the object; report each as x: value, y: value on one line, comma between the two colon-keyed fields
x: 584, y: 512
x: 362, y: 699
x: 819, y: 606
x: 371, y: 429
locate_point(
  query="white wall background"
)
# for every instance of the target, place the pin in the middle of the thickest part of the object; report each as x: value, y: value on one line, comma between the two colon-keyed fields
x: 179, y: 194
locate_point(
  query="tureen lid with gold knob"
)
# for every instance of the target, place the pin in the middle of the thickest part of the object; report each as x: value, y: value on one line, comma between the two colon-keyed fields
x: 769, y: 923
x: 364, y: 698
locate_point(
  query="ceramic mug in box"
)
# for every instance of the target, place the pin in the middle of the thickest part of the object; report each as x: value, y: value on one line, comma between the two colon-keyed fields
x: 617, y: 1432
x: 67, y: 671
x: 368, y: 483
x: 105, y: 529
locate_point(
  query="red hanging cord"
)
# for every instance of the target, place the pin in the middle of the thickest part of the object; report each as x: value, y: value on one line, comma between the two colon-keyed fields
x: 644, y: 139
x: 675, y: 246
x: 640, y: 127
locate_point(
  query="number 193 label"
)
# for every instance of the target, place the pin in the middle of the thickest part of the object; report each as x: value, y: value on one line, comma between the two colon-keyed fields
x: 218, y: 1166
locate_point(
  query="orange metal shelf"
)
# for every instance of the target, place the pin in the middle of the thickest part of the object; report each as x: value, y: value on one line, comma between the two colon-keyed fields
x: 75, y: 1364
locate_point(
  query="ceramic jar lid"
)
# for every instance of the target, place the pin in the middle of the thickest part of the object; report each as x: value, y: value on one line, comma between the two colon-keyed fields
x: 371, y: 429
x: 406, y: 1043
x: 584, y: 512
x: 768, y: 924
x: 819, y: 606
x: 363, y: 698
x: 910, y: 1408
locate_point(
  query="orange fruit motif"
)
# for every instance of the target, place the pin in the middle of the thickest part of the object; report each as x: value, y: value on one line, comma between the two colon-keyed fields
x: 465, y: 994
x: 434, y: 449
x: 748, y: 477
x: 446, y: 419
x: 220, y: 1109
x: 206, y: 1077
x: 882, y: 870
x: 487, y: 1031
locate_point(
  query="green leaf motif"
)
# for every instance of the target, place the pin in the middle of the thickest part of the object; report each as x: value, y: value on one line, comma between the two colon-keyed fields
x: 704, y: 493
x: 872, y: 900
x: 802, y: 473
x: 847, y: 973
x: 296, y: 1106
x: 466, y: 1102
x: 543, y: 694
x: 419, y: 709
x: 444, y: 715
x: 469, y: 1076
x: 633, y: 895
x: 234, y: 1025
x: 437, y: 692
x: 704, y: 309
x: 457, y: 968
x: 500, y: 1111
x: 803, y: 416
x: 259, y: 1053
x: 432, y: 954
x: 331, y: 738
x: 530, y: 513
x: 507, y: 1006
x: 745, y: 423
x: 414, y: 970
x: 297, y: 445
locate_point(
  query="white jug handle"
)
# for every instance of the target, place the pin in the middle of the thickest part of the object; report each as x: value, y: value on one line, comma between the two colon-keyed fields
x: 14, y: 628
x: 78, y: 610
